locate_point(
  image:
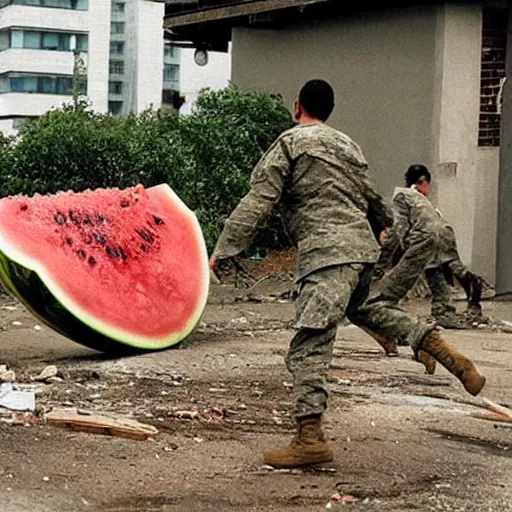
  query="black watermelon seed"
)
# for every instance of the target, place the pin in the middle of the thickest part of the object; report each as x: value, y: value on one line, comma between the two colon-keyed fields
x: 146, y: 235
x: 99, y: 238
x: 69, y: 241
x: 91, y: 261
x: 158, y: 221
x: 24, y: 207
x: 101, y: 219
x: 87, y: 220
x: 111, y: 252
x: 124, y: 203
x: 144, y: 247
x: 81, y: 254
x: 60, y: 218
x: 122, y: 254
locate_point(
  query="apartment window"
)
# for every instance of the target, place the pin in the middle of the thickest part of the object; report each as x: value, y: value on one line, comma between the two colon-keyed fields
x: 32, y: 83
x: 38, y: 40
x: 116, y: 67
x: 118, y: 7
x: 79, y: 5
x: 169, y: 50
x: 117, y: 27
x: 115, y: 87
x: 170, y: 72
x: 492, y: 75
x: 116, y: 47
x: 115, y: 107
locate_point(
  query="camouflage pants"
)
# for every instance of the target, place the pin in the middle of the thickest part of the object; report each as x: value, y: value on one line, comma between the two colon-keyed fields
x: 397, y: 283
x: 441, y: 296
x: 324, y: 298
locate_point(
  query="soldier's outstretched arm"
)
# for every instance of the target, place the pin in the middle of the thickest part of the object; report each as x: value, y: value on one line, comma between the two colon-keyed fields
x: 395, y: 236
x: 267, y: 181
x: 379, y: 214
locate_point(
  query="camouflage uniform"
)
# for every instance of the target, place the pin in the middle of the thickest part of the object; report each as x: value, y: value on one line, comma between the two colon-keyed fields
x: 422, y: 241
x: 412, y: 244
x: 453, y: 268
x: 332, y: 213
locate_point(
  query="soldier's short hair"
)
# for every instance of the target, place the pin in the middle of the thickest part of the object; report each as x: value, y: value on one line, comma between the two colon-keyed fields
x: 415, y: 173
x: 317, y: 99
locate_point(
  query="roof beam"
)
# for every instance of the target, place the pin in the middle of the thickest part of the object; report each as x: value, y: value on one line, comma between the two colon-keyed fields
x: 234, y: 11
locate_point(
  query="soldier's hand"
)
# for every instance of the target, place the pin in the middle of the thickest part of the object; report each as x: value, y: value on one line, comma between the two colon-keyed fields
x: 383, y: 236
x: 226, y: 267
x: 222, y: 267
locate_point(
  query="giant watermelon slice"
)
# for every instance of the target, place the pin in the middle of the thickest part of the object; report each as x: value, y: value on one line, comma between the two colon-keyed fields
x: 114, y: 270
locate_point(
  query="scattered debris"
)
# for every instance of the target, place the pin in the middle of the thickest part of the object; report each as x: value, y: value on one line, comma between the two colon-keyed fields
x: 23, y: 418
x: 16, y: 323
x: 49, y: 372
x: 495, y: 412
x: 6, y: 375
x: 37, y: 327
x: 96, y: 424
x: 15, y: 399
x: 217, y: 390
x: 9, y: 308
x: 341, y: 498
x: 207, y: 415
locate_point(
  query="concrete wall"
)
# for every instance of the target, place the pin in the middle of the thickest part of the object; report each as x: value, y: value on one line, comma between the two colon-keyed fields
x: 467, y: 175
x: 381, y: 66
x: 504, y: 245
x: 408, y: 90
x: 215, y: 75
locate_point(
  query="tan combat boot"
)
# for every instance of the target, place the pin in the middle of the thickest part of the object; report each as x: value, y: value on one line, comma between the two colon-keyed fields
x: 391, y: 350
x: 454, y: 362
x: 308, y: 447
x: 427, y: 361
x: 390, y: 347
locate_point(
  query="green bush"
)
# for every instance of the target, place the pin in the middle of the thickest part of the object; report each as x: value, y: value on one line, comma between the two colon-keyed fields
x: 206, y: 157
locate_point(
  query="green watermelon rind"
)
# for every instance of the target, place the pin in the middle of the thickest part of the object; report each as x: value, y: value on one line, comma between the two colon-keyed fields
x: 27, y: 280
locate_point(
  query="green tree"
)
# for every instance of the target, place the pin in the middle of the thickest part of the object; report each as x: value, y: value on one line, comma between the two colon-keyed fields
x: 206, y: 157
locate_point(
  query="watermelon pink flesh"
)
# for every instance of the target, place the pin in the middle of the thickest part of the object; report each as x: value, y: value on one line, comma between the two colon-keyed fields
x: 130, y: 264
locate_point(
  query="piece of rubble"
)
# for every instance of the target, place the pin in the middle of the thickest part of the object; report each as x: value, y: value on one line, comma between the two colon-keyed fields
x: 96, y: 424
x: 16, y: 399
x: 7, y: 375
x: 49, y: 372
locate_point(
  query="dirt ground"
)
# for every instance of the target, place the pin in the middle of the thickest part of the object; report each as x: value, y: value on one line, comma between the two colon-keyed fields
x: 402, y: 440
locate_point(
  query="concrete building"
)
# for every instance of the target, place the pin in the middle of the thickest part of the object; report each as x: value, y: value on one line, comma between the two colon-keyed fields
x: 136, y: 71
x: 120, y: 44
x: 37, y: 39
x: 193, y: 78
x: 416, y: 83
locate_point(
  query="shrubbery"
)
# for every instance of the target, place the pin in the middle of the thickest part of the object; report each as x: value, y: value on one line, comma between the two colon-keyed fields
x: 206, y: 157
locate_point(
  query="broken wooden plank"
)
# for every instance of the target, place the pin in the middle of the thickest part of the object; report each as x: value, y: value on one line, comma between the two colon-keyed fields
x: 491, y: 416
x: 500, y: 409
x: 98, y: 424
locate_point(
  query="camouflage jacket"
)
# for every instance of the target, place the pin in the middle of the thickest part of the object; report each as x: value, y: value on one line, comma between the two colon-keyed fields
x: 415, y: 220
x: 320, y: 177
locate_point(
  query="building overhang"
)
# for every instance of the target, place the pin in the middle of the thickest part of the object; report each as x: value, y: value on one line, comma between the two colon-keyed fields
x: 208, y: 24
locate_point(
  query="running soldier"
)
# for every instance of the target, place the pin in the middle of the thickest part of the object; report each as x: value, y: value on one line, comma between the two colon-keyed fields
x: 334, y: 216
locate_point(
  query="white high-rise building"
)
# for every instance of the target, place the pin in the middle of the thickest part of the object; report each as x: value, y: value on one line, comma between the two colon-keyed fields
x: 136, y: 69
x: 119, y: 42
x: 37, y: 39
